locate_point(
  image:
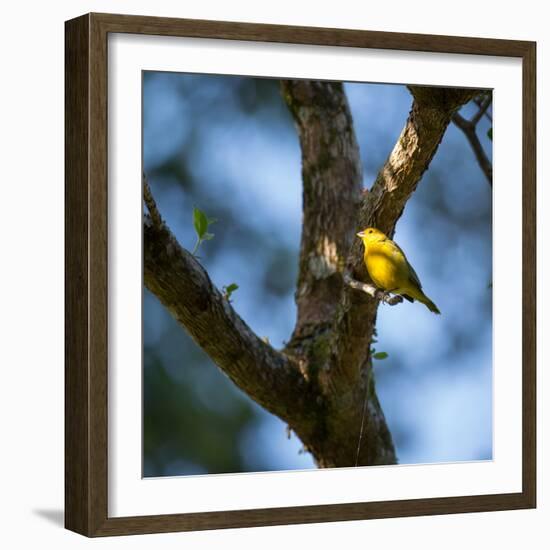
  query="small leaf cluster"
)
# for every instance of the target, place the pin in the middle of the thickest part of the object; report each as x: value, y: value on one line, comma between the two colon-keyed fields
x: 201, y: 223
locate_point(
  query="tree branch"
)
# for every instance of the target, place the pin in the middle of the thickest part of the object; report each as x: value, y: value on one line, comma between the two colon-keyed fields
x: 372, y: 291
x: 483, y: 104
x: 149, y: 200
x: 185, y: 289
x: 431, y: 113
x: 331, y: 178
x: 468, y: 127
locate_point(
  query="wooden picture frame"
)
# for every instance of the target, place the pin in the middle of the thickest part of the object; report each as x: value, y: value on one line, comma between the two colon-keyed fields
x: 86, y: 283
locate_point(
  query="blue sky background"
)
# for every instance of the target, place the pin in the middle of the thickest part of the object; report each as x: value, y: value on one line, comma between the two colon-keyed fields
x: 228, y: 146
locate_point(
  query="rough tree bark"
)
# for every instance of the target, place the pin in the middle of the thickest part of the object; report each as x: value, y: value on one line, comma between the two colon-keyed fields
x: 322, y: 383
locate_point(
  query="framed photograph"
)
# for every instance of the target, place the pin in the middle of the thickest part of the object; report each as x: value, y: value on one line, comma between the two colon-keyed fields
x: 300, y: 274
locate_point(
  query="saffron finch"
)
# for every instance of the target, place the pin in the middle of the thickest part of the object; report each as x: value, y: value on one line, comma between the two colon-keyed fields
x: 389, y: 268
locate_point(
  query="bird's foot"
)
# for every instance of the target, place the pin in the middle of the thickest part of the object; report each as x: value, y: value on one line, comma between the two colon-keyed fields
x: 386, y: 297
x: 383, y: 295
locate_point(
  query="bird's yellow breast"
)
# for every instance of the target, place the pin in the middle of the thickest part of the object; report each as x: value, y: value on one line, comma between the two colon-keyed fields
x: 386, y: 267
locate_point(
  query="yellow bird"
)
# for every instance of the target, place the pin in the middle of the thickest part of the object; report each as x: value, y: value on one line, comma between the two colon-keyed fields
x: 389, y: 268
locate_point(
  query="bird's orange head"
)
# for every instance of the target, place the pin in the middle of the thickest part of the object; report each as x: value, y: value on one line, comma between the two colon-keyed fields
x: 371, y: 235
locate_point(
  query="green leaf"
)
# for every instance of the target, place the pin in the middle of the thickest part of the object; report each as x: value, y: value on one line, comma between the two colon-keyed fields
x: 380, y: 355
x: 229, y: 289
x: 200, y: 222
x: 490, y: 133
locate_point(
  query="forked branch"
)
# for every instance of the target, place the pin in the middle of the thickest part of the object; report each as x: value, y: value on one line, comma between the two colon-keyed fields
x: 469, y: 128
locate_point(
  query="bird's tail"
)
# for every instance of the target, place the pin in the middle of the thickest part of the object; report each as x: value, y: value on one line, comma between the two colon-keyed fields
x: 428, y: 303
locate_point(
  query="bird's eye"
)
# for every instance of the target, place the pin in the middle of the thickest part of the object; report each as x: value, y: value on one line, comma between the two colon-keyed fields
x: 370, y: 230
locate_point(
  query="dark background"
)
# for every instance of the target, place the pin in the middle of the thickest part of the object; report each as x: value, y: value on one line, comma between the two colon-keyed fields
x: 228, y: 146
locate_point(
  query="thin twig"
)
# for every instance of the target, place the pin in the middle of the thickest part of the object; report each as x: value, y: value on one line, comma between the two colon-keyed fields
x: 483, y: 105
x: 373, y: 291
x: 485, y: 112
x: 469, y: 130
x: 151, y: 204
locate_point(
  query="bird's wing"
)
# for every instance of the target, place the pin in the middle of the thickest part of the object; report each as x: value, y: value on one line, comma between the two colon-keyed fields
x: 412, y: 273
x: 414, y: 276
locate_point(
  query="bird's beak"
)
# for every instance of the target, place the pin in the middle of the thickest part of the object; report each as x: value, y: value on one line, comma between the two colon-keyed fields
x: 361, y: 234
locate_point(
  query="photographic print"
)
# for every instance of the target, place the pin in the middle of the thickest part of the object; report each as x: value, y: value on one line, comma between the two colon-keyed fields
x: 317, y: 272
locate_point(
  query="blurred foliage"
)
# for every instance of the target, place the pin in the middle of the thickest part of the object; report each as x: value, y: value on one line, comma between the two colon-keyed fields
x: 187, y: 427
